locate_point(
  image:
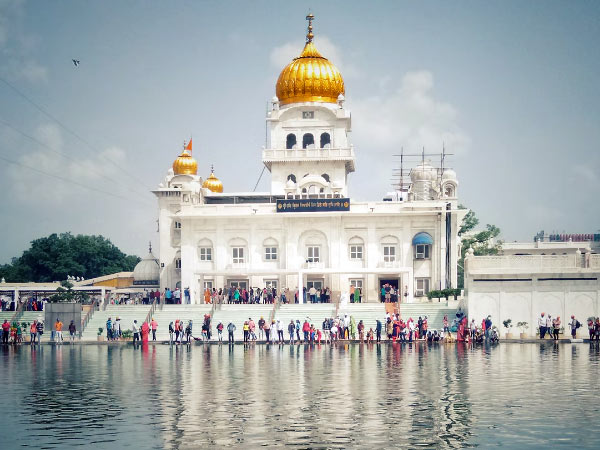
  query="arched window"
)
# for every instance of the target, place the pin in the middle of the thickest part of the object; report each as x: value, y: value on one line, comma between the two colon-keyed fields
x: 308, y: 140
x: 356, y: 248
x: 325, y: 140
x: 290, y: 195
x: 422, y: 243
x: 205, y: 250
x: 290, y: 141
x: 292, y: 177
x: 389, y: 249
x: 325, y: 177
x: 312, y: 191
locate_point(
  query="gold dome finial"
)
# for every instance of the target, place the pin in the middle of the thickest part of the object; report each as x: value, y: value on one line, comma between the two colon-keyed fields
x: 185, y: 164
x: 212, y: 183
x: 310, y: 77
x: 309, y: 34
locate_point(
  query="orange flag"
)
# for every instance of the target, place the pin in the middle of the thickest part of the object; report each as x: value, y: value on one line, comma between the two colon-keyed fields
x: 189, y: 146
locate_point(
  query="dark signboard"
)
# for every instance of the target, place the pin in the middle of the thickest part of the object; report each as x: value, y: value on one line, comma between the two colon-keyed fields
x: 314, y: 205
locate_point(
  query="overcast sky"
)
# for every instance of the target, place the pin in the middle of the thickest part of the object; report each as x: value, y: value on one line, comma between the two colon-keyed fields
x: 511, y: 88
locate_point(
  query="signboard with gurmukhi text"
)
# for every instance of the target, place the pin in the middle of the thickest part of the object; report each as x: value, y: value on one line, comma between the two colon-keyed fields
x: 313, y: 205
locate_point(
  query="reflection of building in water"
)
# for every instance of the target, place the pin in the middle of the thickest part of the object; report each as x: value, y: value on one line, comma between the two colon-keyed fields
x: 307, y: 231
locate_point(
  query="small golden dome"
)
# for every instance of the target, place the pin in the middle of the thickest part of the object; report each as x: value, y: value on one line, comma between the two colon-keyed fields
x: 212, y: 183
x: 310, y: 77
x: 185, y: 164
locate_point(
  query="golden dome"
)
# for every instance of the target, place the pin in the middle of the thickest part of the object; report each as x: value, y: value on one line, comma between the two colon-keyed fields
x: 212, y: 183
x: 185, y: 164
x: 310, y: 77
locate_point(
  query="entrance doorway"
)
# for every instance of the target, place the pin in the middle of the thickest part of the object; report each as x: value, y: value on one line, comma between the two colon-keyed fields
x: 392, y: 287
x: 318, y: 285
x: 242, y: 284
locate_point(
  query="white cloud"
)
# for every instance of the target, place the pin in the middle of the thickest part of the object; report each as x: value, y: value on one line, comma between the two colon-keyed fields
x: 37, y: 189
x: 409, y: 117
x: 281, y: 56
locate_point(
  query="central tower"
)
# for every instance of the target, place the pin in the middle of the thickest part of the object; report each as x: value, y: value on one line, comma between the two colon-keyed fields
x: 309, y: 153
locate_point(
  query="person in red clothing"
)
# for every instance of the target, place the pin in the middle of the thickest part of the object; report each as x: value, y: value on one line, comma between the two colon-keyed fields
x: 5, y: 331
x: 306, y: 330
x: 145, y: 331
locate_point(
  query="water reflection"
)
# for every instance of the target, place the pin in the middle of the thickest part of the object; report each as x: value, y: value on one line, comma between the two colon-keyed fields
x: 376, y: 396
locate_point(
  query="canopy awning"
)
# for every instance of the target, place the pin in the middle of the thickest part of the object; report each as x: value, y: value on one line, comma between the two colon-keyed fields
x: 422, y: 238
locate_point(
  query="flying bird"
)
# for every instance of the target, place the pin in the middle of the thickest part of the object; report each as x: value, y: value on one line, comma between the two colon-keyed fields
x: 75, y: 62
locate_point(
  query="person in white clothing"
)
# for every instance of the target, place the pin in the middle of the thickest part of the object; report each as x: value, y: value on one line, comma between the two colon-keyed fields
x: 136, y: 331
x: 542, y: 325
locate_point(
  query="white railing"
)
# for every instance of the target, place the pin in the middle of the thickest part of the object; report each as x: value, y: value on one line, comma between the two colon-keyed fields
x: 530, y: 263
x: 314, y: 265
x: 595, y: 261
x: 388, y: 264
x: 273, y: 154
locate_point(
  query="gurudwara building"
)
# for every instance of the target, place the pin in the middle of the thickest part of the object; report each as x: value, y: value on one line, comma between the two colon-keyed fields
x: 308, y: 230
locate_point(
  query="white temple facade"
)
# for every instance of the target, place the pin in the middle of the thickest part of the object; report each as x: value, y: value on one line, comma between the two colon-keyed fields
x: 308, y: 231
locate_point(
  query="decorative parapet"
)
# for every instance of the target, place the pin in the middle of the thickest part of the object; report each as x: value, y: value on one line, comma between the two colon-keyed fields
x: 530, y: 263
x: 271, y: 155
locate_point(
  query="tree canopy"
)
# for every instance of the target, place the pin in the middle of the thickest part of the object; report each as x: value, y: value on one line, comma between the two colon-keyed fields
x: 482, y: 242
x: 54, y: 257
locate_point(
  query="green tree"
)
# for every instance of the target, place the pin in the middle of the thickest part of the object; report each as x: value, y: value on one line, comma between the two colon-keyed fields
x: 482, y: 242
x: 54, y: 257
x: 66, y: 294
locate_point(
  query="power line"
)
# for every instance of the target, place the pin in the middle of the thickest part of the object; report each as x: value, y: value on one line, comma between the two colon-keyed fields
x: 58, y: 177
x: 73, y: 133
x: 88, y: 169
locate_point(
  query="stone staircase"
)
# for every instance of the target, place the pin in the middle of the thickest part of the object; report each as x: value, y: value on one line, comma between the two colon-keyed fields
x: 316, y: 313
x: 6, y: 315
x: 127, y: 314
x: 434, y: 312
x: 367, y: 312
x: 170, y: 313
x: 238, y: 314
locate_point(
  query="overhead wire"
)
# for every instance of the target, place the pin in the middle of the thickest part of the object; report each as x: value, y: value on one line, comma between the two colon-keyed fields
x: 88, y: 169
x: 67, y: 180
x: 69, y: 130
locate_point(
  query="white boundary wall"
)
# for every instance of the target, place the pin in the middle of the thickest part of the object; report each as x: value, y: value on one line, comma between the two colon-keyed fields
x: 521, y: 288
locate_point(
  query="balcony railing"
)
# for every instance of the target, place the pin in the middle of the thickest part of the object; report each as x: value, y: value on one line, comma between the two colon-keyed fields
x: 280, y: 154
x: 346, y: 154
x: 388, y: 264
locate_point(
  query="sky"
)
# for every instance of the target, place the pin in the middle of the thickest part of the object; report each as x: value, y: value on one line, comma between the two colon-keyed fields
x: 509, y: 88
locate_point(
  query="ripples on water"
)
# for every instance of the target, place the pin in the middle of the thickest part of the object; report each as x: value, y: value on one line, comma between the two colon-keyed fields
x: 419, y: 396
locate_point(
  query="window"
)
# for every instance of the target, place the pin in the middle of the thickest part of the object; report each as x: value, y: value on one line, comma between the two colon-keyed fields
x: 357, y: 283
x: 238, y: 255
x: 208, y: 285
x: 325, y: 140
x: 270, y: 253
x: 292, y: 177
x: 325, y: 176
x: 177, y: 225
x: 356, y: 252
x: 290, y: 141
x: 271, y: 284
x: 178, y: 263
x: 422, y: 251
x: 389, y: 253
x: 313, y: 254
x: 421, y: 287
x: 308, y: 140
x: 308, y: 114
x: 205, y: 253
